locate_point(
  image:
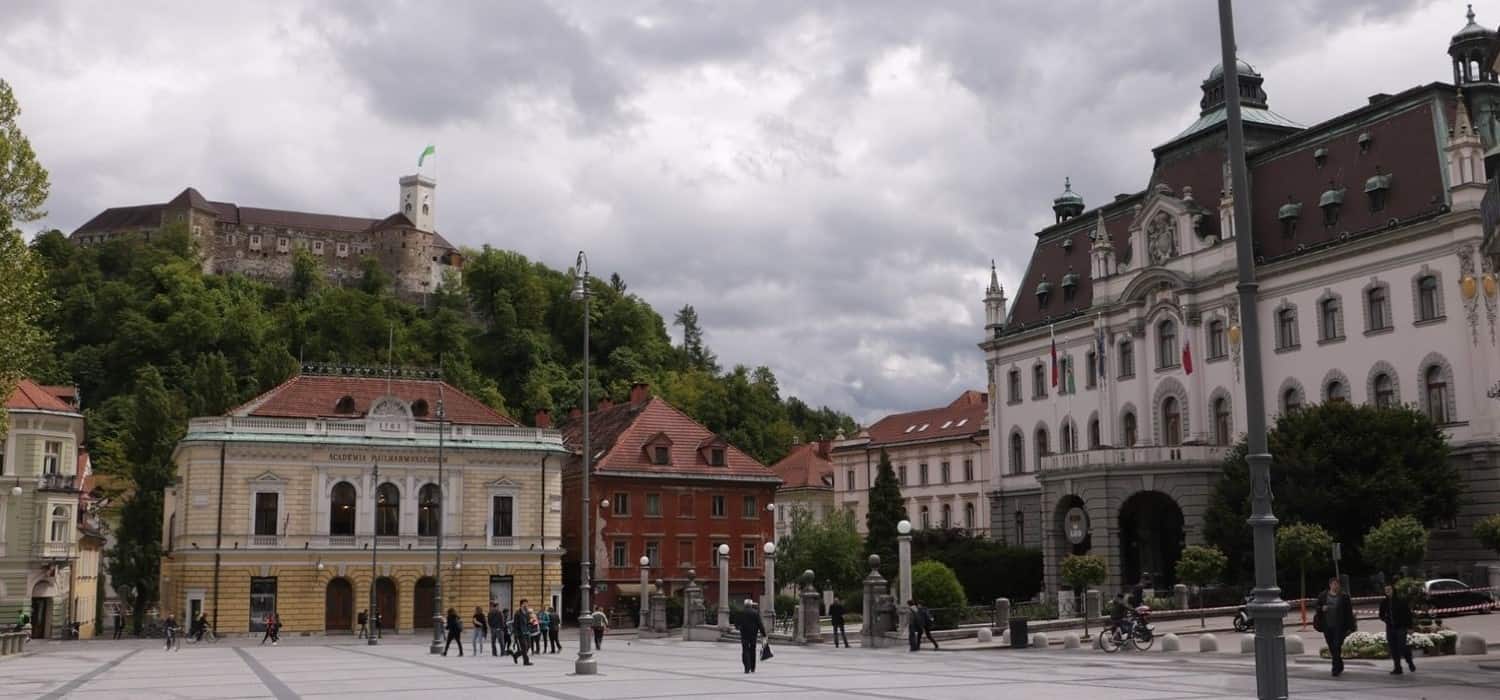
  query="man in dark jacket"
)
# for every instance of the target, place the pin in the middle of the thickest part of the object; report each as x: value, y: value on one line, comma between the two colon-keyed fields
x: 751, y: 629
x: 836, y: 615
x: 925, y: 615
x: 497, y: 628
x: 1395, y: 612
x: 1334, y: 617
x: 520, y: 634
x: 913, y: 625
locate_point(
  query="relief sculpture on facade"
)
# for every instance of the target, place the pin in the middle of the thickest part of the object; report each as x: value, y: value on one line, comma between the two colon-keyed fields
x: 1161, y: 238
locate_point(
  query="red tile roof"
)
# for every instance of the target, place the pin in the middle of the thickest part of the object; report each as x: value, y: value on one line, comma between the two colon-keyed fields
x: 963, y: 418
x: 619, y: 434
x: 807, y: 465
x: 316, y: 396
x: 30, y: 396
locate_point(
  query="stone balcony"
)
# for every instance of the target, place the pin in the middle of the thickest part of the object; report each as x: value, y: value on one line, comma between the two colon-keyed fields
x: 363, y: 542
x: 56, y: 550
x: 1184, y: 455
x: 57, y: 482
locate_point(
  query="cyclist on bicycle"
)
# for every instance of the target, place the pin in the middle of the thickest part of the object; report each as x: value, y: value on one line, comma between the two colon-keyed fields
x: 1119, y: 615
x: 169, y: 627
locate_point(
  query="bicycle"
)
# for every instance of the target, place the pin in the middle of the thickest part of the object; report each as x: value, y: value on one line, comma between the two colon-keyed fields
x: 1137, y: 634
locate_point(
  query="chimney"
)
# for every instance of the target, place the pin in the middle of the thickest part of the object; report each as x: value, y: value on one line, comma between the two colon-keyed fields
x: 639, y: 391
x: 575, y: 413
x: 543, y: 418
x: 605, y: 404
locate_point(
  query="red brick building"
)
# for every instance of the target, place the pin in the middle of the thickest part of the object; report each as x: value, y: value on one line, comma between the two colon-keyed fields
x: 675, y: 492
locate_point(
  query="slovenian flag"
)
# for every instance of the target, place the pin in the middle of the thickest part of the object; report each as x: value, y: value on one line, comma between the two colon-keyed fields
x: 428, y: 151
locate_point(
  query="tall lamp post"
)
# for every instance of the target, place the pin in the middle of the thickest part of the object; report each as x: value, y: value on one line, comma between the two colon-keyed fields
x: 768, y: 599
x: 1267, y: 608
x: 585, y: 665
x: 903, y: 551
x: 374, y: 555
x: 437, y: 562
x: 645, y: 595
x: 723, y: 551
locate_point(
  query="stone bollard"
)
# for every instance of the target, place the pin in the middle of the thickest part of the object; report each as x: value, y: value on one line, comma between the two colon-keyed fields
x: 1070, y: 640
x: 1294, y: 646
x: 810, y: 600
x: 1180, y: 596
x: 659, y: 608
x: 1247, y: 644
x: 1005, y: 637
x: 1171, y: 643
x: 1002, y: 613
x: 872, y: 632
x: 1094, y: 603
x: 1470, y: 644
x: 985, y: 636
x: 692, y: 605
x: 1039, y: 640
x: 1207, y: 643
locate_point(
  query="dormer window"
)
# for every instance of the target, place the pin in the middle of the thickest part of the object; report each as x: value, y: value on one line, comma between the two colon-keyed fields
x: 344, y: 405
x: 1067, y: 244
x: 1069, y: 285
x: 1365, y: 140
x: 661, y: 455
x: 1320, y: 156
x: 419, y: 408
x: 716, y: 457
x: 1288, y: 215
x: 1043, y: 292
x: 1377, y: 188
x: 1331, y: 201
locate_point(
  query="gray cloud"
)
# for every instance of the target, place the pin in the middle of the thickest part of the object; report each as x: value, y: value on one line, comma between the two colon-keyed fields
x: 826, y: 182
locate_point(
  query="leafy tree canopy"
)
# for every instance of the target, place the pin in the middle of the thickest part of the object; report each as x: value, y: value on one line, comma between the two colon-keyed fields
x: 831, y: 547
x: 23, y: 190
x: 1395, y: 543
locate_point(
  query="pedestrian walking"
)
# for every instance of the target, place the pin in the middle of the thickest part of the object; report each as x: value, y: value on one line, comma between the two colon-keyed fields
x: 1395, y: 612
x: 497, y: 629
x: 601, y: 623
x: 481, y: 630
x: 913, y: 626
x: 556, y: 628
x: 195, y: 632
x: 1334, y: 617
x: 544, y: 640
x: 119, y: 622
x: 751, y: 629
x: 520, y: 634
x: 364, y: 624
x: 271, y: 634
x: 169, y: 628
x: 927, y: 624
x: 836, y: 615
x: 534, y: 632
x: 455, y: 629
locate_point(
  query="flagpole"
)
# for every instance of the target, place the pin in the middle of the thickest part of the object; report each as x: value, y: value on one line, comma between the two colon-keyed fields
x: 1052, y: 331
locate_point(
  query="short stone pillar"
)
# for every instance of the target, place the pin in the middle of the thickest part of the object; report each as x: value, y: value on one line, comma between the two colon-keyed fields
x: 1171, y: 642
x: 1294, y: 646
x: 1002, y: 613
x: 1093, y: 603
x: 692, y: 603
x: 874, y: 593
x: 1180, y: 596
x: 1207, y: 643
x: 810, y: 599
x: 1067, y: 604
x: 659, y: 608
x: 1470, y: 644
x: 1070, y: 640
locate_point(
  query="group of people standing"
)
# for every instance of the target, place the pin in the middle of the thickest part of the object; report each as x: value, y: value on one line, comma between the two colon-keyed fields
x: 1334, y: 617
x: 518, y: 633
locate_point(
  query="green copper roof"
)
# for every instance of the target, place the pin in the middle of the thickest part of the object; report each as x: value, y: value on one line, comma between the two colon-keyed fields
x: 1250, y: 115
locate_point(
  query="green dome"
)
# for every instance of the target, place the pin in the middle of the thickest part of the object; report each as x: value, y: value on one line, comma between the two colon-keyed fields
x: 1244, y: 69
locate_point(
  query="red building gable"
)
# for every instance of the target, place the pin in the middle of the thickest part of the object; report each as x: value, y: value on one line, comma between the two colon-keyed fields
x: 964, y: 417
x: 806, y: 466
x: 344, y: 396
x: 31, y: 396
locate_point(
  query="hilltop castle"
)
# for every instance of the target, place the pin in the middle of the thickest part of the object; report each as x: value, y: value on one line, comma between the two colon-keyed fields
x: 258, y: 243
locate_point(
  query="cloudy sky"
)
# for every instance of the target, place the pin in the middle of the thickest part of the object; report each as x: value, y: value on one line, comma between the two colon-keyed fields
x: 825, y: 181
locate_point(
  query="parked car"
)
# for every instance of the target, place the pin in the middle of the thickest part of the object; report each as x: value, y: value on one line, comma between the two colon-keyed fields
x: 1445, y: 593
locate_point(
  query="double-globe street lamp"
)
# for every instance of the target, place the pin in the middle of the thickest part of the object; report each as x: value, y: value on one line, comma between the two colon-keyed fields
x: 585, y: 665
x: 437, y: 563
x: 374, y: 617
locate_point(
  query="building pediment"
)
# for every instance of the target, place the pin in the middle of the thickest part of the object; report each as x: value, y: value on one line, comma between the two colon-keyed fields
x: 267, y: 478
x: 503, y: 484
x: 1165, y: 226
x: 1154, y: 286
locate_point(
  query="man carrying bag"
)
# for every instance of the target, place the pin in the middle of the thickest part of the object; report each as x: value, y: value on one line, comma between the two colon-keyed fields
x: 751, y: 629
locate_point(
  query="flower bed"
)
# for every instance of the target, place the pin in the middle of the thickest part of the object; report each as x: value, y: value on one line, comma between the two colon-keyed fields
x: 1372, y: 645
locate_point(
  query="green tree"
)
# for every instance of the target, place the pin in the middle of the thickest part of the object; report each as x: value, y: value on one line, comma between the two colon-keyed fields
x: 1396, y: 544
x: 1305, y: 546
x: 373, y: 278
x: 830, y: 546
x: 1200, y: 566
x: 23, y: 180
x: 887, y: 509
x: 1344, y: 467
x: 23, y: 191
x: 934, y: 585
x: 307, y: 274
x: 1080, y: 571
x: 1487, y: 531
x: 694, y: 350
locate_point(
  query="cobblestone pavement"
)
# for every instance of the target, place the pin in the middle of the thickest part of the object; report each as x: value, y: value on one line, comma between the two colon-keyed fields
x: 628, y: 668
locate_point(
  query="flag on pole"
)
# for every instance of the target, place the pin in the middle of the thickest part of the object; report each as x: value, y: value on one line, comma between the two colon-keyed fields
x: 1054, y: 356
x: 1099, y: 364
x: 1187, y: 356
x: 1072, y: 388
x: 430, y: 150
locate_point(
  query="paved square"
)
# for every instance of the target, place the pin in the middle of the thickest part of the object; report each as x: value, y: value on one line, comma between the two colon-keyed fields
x: 314, y: 668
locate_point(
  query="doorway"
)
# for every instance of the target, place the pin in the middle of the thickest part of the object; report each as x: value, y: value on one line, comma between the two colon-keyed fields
x: 385, y: 596
x: 338, y: 607
x: 41, y: 616
x: 1151, y: 538
x: 421, y: 603
x: 502, y: 589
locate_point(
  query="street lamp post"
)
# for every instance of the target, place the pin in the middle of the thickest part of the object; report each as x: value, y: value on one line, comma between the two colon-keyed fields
x: 1267, y: 608
x: 585, y: 665
x: 645, y: 597
x: 437, y: 562
x: 903, y: 551
x: 723, y: 587
x: 768, y: 599
x: 374, y: 555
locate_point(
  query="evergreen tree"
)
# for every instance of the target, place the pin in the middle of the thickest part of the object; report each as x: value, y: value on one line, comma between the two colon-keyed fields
x: 695, y: 351
x: 887, y: 508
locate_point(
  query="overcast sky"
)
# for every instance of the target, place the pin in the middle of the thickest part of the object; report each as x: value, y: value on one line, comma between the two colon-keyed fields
x: 825, y: 181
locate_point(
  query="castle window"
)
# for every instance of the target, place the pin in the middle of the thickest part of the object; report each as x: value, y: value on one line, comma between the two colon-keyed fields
x: 1217, y: 347
x: 318, y: 247
x: 1286, y: 328
x: 342, y: 250
x: 254, y: 241
x: 282, y: 244
x: 1429, y: 303
x: 1013, y: 384
x: 1166, y: 345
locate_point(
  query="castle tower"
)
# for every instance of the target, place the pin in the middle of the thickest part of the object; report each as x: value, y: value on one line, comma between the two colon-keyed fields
x: 994, y: 304
x: 1068, y: 204
x: 1470, y: 51
x: 1464, y: 152
x: 418, y: 202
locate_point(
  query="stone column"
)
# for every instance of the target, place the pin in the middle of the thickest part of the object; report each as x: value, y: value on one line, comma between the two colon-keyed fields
x: 692, y: 604
x: 1002, y: 613
x: 645, y: 621
x: 723, y: 588
x: 1180, y: 596
x: 810, y: 598
x: 659, y: 608
x: 768, y: 599
x: 903, y: 552
x: 873, y: 629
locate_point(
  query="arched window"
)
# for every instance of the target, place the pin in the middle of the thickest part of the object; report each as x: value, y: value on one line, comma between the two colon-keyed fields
x: 1065, y: 438
x: 1093, y: 433
x: 1171, y: 421
x: 1218, y: 346
x: 1385, y: 391
x: 1286, y: 328
x: 342, y: 510
x: 428, y: 509
x: 1127, y: 359
x: 1042, y: 448
x: 1038, y: 381
x: 1437, y: 395
x: 387, y: 510
x: 947, y: 516
x: 1337, y: 392
x: 1291, y: 400
x: 1166, y: 345
x: 1377, y: 309
x: 60, y: 524
x: 1127, y: 429
x: 1427, y: 299
x: 926, y: 518
x: 1017, y: 453
x: 969, y: 516
x: 1223, y: 428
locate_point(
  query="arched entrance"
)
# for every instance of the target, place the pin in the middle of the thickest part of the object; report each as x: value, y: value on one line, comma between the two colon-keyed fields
x: 1151, y: 538
x: 421, y: 604
x: 41, y: 609
x: 338, y: 606
x: 385, y: 596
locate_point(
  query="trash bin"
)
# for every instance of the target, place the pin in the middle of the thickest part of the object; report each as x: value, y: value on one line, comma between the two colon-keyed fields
x: 1019, y: 637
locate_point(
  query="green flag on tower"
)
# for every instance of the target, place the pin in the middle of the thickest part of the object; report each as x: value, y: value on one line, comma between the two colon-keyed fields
x: 428, y: 151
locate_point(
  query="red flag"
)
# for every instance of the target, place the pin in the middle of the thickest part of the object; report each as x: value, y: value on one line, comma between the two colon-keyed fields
x: 1054, y: 361
x: 1187, y: 356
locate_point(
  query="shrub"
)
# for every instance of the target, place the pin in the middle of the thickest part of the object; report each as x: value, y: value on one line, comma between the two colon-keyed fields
x: 936, y: 586
x: 1487, y: 531
x: 987, y: 569
x: 1396, y: 543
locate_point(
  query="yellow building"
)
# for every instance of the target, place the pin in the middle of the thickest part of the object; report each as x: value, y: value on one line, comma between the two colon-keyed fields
x: 298, y: 500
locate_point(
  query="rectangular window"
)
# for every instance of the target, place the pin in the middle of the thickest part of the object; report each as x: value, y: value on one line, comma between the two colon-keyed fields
x: 685, y: 553
x: 1127, y: 359
x: 968, y: 470
x: 1038, y: 382
x: 851, y: 479
x: 660, y: 455
x: 1013, y: 378
x: 618, y: 554
x: 262, y: 601
x: 716, y: 457
x: 653, y: 505
x: 266, y: 512
x: 1379, y: 316
x: 52, y: 457
x: 1286, y: 329
x: 718, y: 507
x: 1091, y: 364
x: 1329, y: 311
x: 922, y: 474
x: 317, y: 247
x: 1217, y: 347
x: 282, y: 245
x: 622, y: 503
x: 750, y: 511
x: 342, y: 250
x: 901, y: 474
x: 685, y: 505
x: 747, y: 555
x: 503, y: 521
x: 254, y: 241
x: 943, y: 472
x: 653, y: 553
